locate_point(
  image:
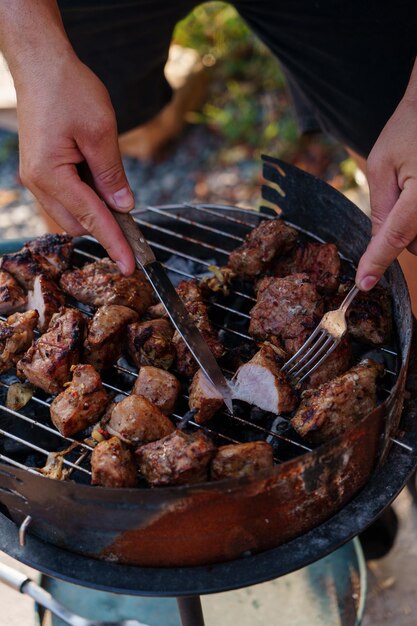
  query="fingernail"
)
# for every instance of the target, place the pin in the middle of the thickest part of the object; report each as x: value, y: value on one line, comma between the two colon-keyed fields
x: 368, y: 282
x: 123, y: 199
x: 122, y: 267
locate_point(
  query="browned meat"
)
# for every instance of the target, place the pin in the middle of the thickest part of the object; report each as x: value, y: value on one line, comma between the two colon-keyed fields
x: 288, y: 307
x: 136, y: 420
x: 16, y: 336
x: 319, y: 260
x: 369, y: 317
x: 47, y: 298
x: 158, y: 386
x: 261, y: 382
x: 204, y: 397
x: 150, y: 343
x: 81, y: 403
x: 336, y: 364
x: 178, y: 459
x: 157, y: 311
x: 190, y: 292
x: 26, y: 265
x: 241, y: 460
x: 101, y: 283
x: 333, y: 407
x: 113, y: 465
x: 104, y: 342
x: 265, y: 242
x: 47, y: 364
x: 56, y: 249
x: 12, y: 296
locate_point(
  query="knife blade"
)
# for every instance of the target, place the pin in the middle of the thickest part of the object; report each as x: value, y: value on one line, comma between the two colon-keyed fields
x: 174, y: 306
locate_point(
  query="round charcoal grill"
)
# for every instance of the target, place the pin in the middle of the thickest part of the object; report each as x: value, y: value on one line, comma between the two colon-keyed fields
x: 224, y: 535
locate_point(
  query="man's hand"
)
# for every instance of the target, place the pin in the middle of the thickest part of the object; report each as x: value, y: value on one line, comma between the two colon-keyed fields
x: 65, y: 118
x: 392, y: 178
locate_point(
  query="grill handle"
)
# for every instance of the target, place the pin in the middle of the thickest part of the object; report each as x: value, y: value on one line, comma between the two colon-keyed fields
x: 20, y: 582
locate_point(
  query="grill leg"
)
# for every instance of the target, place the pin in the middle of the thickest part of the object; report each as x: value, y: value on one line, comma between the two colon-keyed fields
x: 191, y: 613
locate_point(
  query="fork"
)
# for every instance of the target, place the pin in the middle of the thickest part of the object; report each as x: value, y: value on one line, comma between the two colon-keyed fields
x: 321, y: 342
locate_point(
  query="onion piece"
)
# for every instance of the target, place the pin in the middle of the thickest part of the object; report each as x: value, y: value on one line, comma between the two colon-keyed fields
x: 18, y: 395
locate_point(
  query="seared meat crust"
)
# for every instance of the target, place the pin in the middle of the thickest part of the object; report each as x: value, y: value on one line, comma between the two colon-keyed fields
x: 100, y: 283
x: 55, y: 248
x: 81, y: 403
x: 203, y: 397
x: 26, y: 265
x: 319, y: 260
x: 178, y: 459
x: 104, y: 342
x: 158, y: 386
x: 12, y: 296
x: 242, y: 460
x: 47, y: 364
x: 329, y: 410
x: 150, y: 343
x: 136, y: 420
x: 113, y: 465
x: 47, y: 298
x: 268, y: 240
x: 336, y: 364
x: 16, y: 336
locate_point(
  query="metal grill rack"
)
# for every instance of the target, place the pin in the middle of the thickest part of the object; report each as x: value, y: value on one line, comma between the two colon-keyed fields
x: 187, y: 239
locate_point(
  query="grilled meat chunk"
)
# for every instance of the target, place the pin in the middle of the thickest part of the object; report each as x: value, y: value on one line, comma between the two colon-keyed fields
x: 26, y: 265
x: 16, y: 336
x: 190, y: 292
x: 12, y: 296
x: 158, y: 386
x: 178, y: 459
x: 289, y: 308
x: 261, y: 382
x: 113, y: 465
x: 47, y: 364
x: 100, y: 283
x: 241, y: 460
x: 104, y: 342
x: 47, y: 298
x: 336, y: 364
x: 56, y: 249
x: 369, y: 317
x: 204, y: 397
x: 331, y: 408
x: 265, y: 242
x: 319, y: 260
x: 136, y: 420
x: 150, y: 343
x: 81, y: 403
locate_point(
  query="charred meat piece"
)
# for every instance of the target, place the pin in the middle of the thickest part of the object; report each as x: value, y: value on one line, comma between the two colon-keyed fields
x: 81, y: 403
x: 113, y: 465
x: 265, y: 242
x: 104, y: 342
x: 157, y: 311
x: 369, y: 317
x: 331, y: 408
x: 150, y: 343
x: 100, y: 283
x: 319, y: 260
x: 136, y: 420
x: 47, y: 298
x: 190, y: 292
x: 26, y: 265
x: 289, y: 308
x: 204, y: 397
x: 178, y: 459
x: 261, y: 382
x: 12, y: 296
x: 241, y: 460
x: 337, y: 363
x: 158, y: 386
x: 16, y: 336
x: 56, y: 249
x: 47, y: 364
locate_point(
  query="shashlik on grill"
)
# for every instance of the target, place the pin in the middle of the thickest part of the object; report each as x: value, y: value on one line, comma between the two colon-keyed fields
x: 16, y: 336
x: 12, y: 296
x: 113, y: 464
x: 204, y: 398
x: 46, y: 298
x: 241, y: 460
x: 320, y: 261
x: 158, y: 386
x: 56, y: 249
x: 150, y: 343
x: 136, y: 420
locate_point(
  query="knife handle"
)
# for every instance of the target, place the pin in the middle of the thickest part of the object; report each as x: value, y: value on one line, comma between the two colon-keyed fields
x: 141, y: 249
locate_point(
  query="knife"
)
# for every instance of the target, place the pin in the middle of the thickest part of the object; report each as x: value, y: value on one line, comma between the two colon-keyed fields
x: 174, y: 306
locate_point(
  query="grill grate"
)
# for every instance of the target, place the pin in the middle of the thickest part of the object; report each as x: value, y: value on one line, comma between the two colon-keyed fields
x: 187, y: 239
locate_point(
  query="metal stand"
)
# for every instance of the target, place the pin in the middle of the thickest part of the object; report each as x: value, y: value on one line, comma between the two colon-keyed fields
x: 191, y: 613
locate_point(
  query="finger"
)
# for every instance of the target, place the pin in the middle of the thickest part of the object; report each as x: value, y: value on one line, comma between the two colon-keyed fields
x: 397, y: 232
x: 60, y: 215
x: 105, y: 163
x: 413, y: 247
x: 383, y: 190
x: 87, y: 208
